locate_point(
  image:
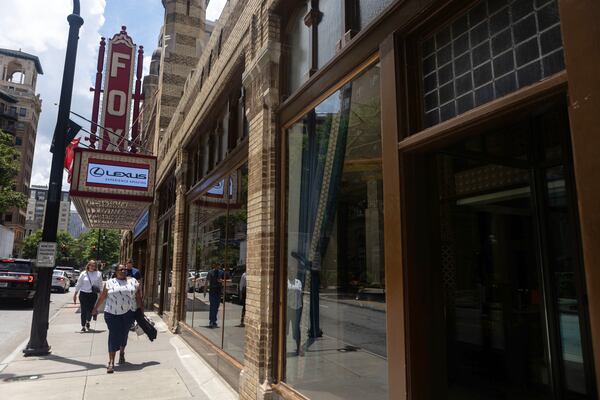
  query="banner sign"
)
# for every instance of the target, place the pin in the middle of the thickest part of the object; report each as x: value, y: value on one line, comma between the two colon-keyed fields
x: 105, y: 173
x: 116, y: 103
x: 141, y: 224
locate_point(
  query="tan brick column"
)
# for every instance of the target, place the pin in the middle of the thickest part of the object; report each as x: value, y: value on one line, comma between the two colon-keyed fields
x: 178, y: 269
x: 150, y: 271
x: 261, y: 82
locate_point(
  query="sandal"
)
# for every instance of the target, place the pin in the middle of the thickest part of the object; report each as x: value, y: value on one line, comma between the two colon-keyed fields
x: 121, y: 358
x: 110, y: 368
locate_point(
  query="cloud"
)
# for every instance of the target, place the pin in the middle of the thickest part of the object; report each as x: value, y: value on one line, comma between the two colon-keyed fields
x: 43, y: 31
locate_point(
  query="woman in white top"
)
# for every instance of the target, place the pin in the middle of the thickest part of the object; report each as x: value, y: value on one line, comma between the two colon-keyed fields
x: 88, y: 285
x: 123, y: 297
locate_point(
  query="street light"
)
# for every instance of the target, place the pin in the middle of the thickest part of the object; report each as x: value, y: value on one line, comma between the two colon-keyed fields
x: 38, y: 345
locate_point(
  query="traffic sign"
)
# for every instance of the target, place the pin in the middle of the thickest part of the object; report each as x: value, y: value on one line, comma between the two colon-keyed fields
x: 46, y: 254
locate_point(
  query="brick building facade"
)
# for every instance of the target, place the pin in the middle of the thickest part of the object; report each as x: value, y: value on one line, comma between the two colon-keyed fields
x: 409, y: 185
x: 18, y: 78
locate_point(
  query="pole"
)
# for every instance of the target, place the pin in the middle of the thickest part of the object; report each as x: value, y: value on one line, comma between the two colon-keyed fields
x: 38, y: 344
x: 98, y: 247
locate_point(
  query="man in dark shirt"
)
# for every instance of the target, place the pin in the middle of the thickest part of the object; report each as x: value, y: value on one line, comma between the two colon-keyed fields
x: 214, y: 284
x: 133, y: 272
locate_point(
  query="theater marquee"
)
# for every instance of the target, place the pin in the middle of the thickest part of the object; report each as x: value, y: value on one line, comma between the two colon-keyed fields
x: 111, y: 189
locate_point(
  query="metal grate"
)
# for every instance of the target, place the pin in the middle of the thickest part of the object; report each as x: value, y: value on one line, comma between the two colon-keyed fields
x: 495, y: 48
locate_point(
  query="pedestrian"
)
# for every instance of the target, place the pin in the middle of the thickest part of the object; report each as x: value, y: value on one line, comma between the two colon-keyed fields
x: 294, y: 308
x: 88, y: 285
x: 214, y: 282
x: 243, y: 298
x: 133, y: 271
x: 123, y: 298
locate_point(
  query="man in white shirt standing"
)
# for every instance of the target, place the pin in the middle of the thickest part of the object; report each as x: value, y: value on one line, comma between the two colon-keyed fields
x: 243, y: 298
x: 294, y: 308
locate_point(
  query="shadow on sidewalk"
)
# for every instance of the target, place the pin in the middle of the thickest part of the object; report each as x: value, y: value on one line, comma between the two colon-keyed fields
x: 86, y: 366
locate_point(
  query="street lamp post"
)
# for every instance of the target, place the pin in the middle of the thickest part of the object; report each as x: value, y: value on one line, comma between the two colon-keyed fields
x: 38, y: 344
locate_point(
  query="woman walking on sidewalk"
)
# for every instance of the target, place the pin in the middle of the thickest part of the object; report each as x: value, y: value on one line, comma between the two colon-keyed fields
x: 88, y: 285
x: 123, y: 297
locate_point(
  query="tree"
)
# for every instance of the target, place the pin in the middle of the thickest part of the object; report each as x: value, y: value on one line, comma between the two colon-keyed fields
x: 9, y: 168
x: 106, y: 249
x: 65, y: 247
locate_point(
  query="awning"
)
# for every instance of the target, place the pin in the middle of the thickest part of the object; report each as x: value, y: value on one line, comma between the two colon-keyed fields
x: 110, y: 189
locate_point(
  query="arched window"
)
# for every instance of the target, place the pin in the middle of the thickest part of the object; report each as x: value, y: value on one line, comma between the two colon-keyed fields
x: 17, y: 77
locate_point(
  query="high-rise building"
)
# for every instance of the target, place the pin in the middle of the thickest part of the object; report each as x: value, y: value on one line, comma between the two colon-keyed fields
x: 76, y: 227
x: 36, y: 209
x: 18, y: 79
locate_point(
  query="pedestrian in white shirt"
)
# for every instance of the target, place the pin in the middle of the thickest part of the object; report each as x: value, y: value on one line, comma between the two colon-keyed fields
x: 88, y: 286
x: 243, y: 298
x: 123, y: 297
x: 294, y: 308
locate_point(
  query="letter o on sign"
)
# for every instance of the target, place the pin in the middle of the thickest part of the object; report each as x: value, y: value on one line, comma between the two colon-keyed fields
x: 121, y: 98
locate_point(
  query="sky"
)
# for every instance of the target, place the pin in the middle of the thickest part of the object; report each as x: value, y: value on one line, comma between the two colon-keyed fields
x: 36, y: 28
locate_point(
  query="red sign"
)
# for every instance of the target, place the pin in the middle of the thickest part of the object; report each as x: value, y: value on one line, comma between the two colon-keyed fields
x: 116, y: 103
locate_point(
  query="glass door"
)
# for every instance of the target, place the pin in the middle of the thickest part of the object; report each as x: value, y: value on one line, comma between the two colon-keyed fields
x: 510, y: 266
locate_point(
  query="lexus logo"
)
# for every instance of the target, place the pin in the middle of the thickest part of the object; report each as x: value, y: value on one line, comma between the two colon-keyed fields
x: 97, y: 171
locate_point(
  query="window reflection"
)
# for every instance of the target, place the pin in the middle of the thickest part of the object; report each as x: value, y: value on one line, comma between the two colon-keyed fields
x: 335, y: 311
x: 216, y: 262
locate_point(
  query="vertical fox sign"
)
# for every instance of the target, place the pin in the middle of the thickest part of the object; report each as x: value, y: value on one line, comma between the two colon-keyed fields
x: 116, y: 103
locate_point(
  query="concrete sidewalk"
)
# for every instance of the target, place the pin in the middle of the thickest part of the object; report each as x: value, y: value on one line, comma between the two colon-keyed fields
x: 164, y: 369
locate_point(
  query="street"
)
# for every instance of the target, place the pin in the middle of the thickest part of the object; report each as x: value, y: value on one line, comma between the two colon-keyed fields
x: 15, y: 322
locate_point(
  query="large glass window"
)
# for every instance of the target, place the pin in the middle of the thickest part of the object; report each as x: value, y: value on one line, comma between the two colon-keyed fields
x: 316, y: 30
x: 298, y: 42
x: 335, y: 287
x: 216, y: 262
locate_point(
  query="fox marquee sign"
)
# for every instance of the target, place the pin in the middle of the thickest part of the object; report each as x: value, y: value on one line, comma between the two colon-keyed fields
x: 118, y: 92
x: 112, y: 189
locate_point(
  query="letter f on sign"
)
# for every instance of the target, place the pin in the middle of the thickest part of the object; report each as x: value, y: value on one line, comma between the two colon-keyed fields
x: 116, y: 64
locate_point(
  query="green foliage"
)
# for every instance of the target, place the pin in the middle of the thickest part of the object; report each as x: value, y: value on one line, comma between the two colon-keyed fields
x: 9, y: 168
x: 106, y: 248
x: 65, y: 248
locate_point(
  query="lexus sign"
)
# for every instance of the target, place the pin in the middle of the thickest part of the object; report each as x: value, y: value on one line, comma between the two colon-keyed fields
x: 117, y: 175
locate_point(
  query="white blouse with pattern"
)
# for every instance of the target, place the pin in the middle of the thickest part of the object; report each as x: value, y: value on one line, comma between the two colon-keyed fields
x: 121, y: 295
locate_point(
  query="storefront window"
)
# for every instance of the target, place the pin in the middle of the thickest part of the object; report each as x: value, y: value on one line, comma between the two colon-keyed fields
x: 299, y: 49
x: 335, y: 309
x: 330, y: 29
x: 217, y: 242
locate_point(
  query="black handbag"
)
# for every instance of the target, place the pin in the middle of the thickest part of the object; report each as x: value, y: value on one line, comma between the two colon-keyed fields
x: 146, y: 325
x: 95, y: 289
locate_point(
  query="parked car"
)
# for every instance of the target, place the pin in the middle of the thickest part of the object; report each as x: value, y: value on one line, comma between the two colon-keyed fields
x: 70, y: 273
x: 18, y: 279
x: 191, y: 281
x: 76, y: 274
x: 60, y: 281
x: 232, y: 282
x: 200, y: 281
